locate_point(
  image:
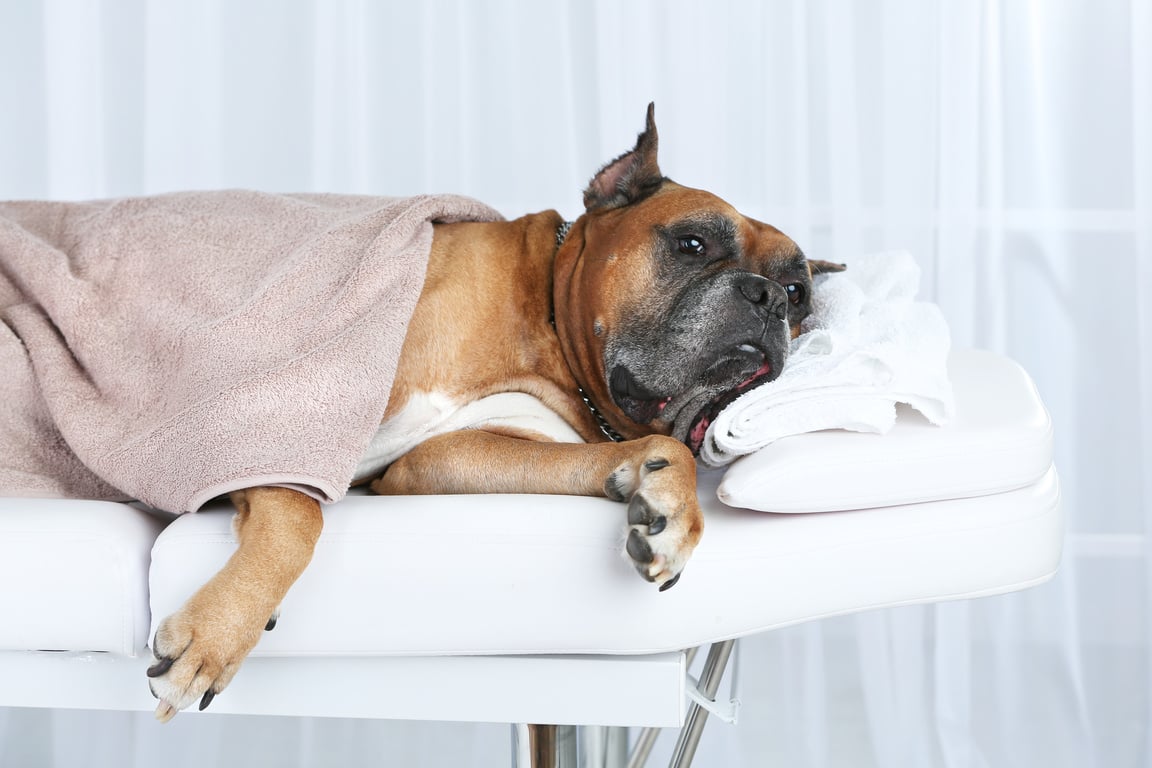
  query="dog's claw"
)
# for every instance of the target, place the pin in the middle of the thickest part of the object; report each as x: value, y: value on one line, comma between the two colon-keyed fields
x: 160, y: 667
x: 209, y: 694
x: 670, y: 583
x: 165, y: 711
x: 640, y: 512
x: 638, y: 548
x: 271, y: 625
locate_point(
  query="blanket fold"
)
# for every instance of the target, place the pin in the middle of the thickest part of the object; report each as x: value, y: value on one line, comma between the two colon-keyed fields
x: 867, y: 346
x: 173, y: 348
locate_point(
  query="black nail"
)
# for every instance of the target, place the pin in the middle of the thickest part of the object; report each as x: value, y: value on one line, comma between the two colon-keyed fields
x: 613, y: 488
x: 271, y: 625
x: 638, y: 549
x: 657, y: 525
x: 207, y: 699
x: 654, y: 464
x: 159, y: 668
x: 639, y: 513
x: 670, y: 583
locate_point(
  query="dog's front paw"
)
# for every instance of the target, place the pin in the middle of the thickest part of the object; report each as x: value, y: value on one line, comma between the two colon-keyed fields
x: 197, y: 653
x: 664, y: 517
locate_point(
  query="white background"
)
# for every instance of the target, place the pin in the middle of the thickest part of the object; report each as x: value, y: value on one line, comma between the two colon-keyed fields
x: 1007, y: 145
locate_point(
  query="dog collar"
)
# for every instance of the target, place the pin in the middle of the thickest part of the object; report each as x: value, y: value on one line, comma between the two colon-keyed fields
x: 601, y: 422
x: 562, y: 232
x: 605, y: 427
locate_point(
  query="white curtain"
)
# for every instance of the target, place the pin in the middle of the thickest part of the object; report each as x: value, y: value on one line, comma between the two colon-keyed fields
x: 1006, y: 143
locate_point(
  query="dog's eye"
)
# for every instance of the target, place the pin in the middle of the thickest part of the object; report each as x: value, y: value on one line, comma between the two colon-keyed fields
x: 690, y: 245
x: 796, y: 292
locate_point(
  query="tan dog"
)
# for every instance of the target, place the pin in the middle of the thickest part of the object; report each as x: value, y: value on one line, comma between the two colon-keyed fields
x: 638, y: 322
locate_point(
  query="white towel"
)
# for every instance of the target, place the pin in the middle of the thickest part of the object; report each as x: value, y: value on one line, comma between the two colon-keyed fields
x: 867, y: 346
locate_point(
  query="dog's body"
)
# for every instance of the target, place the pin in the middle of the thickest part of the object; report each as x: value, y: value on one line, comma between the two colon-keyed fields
x: 531, y: 345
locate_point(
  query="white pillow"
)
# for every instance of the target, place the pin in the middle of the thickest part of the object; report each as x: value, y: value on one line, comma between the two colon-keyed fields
x: 1001, y: 439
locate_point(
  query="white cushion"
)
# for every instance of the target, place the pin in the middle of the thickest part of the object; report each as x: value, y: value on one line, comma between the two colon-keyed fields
x: 1001, y: 439
x: 535, y: 574
x: 545, y: 574
x: 74, y: 575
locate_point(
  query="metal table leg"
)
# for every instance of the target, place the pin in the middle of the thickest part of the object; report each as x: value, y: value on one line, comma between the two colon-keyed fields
x: 606, y: 747
x: 556, y: 747
x: 714, y: 666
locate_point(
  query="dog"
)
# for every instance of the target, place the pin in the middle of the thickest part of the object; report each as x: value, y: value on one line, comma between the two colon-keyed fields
x: 592, y: 356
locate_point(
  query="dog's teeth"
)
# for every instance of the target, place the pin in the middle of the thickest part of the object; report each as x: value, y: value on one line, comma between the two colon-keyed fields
x: 747, y: 348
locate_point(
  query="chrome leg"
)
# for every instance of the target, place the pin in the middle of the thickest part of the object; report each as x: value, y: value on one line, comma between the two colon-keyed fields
x: 558, y: 751
x: 603, y: 746
x: 521, y: 746
x: 647, y: 738
x: 566, y: 742
x: 710, y: 678
x: 617, y: 748
x: 607, y: 747
x: 643, y: 747
x: 584, y: 747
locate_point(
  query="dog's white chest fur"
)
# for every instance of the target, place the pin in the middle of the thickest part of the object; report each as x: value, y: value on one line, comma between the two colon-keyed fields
x: 427, y: 414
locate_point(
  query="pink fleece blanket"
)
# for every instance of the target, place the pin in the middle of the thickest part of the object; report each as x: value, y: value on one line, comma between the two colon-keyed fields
x: 173, y: 348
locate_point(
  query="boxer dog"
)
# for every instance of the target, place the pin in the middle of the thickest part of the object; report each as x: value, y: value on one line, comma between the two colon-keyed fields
x: 589, y: 358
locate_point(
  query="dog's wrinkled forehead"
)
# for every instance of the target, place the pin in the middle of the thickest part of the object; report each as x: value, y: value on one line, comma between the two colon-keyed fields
x: 732, y: 239
x: 687, y: 229
x: 717, y: 231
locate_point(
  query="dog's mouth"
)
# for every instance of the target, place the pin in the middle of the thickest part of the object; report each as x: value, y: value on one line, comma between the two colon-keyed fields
x: 690, y: 411
x: 638, y: 402
x: 698, y: 426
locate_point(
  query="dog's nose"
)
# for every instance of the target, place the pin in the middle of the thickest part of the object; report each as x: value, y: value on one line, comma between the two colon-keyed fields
x: 765, y: 295
x: 753, y: 287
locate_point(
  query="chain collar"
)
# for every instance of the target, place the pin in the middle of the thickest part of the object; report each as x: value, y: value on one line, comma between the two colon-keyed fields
x: 562, y: 232
x: 602, y: 422
x: 605, y: 427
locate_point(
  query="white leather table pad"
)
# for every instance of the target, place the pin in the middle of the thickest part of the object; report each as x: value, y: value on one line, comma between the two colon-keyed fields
x: 531, y: 574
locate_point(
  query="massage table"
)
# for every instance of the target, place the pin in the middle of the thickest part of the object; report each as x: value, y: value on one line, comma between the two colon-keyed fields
x: 521, y: 609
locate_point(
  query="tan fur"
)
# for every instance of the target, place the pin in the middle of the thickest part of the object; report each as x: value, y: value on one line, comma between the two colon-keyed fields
x: 483, y: 462
x: 201, y: 646
x: 591, y: 288
x: 502, y: 310
x: 482, y: 325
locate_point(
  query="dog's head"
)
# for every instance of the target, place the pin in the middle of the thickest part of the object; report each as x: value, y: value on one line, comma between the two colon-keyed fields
x: 669, y: 302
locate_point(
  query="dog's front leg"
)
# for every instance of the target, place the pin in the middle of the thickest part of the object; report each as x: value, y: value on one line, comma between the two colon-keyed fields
x: 199, y: 648
x: 655, y: 476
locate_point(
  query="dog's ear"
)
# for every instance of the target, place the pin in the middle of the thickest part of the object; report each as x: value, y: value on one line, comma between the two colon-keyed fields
x: 818, y: 267
x: 629, y: 178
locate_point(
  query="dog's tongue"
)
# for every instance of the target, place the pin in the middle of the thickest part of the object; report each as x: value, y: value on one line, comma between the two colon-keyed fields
x: 700, y: 429
x: 696, y: 436
x: 763, y: 370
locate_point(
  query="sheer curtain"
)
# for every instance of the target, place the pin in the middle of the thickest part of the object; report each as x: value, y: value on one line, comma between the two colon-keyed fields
x: 1007, y: 145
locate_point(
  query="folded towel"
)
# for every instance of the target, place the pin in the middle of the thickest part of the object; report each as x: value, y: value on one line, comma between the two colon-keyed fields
x: 173, y: 348
x: 867, y: 346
